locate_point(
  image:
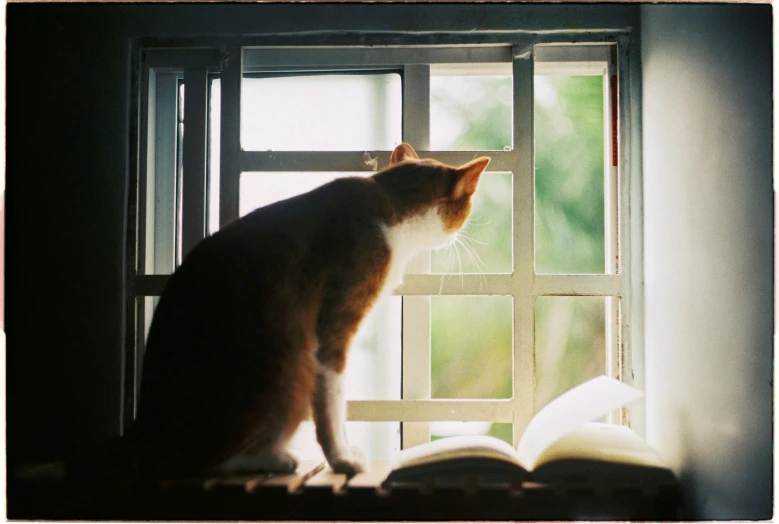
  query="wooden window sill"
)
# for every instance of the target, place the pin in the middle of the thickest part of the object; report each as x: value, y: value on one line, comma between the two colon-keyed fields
x: 314, y: 492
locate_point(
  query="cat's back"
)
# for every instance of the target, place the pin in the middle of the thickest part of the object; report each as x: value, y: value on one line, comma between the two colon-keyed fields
x: 294, y: 243
x: 334, y: 208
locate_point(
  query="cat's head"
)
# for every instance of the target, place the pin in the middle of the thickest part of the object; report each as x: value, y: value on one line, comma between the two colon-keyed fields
x: 433, y: 198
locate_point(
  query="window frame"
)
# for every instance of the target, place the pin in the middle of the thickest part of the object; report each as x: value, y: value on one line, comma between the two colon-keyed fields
x: 416, y: 409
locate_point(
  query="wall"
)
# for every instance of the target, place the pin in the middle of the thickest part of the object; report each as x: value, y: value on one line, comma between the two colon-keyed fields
x: 708, y: 212
x: 67, y: 156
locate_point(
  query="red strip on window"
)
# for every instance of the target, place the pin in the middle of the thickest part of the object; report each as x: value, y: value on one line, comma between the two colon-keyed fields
x: 614, y: 121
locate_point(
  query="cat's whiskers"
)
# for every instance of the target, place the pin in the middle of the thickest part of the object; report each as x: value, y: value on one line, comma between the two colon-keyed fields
x: 471, y: 239
x: 446, y: 275
x: 474, y: 256
x: 459, y: 260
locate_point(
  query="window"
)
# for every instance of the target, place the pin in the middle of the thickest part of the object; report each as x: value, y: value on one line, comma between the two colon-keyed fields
x: 534, y: 299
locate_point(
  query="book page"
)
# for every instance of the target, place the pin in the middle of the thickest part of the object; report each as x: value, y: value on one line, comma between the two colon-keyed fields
x: 472, y: 446
x: 588, y: 401
x: 601, y: 451
x: 605, y: 443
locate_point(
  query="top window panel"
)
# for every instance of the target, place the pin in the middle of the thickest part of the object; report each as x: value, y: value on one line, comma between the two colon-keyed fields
x: 351, y: 98
x: 321, y: 112
x: 266, y: 59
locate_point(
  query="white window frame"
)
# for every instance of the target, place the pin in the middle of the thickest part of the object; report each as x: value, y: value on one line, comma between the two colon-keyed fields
x: 563, y: 54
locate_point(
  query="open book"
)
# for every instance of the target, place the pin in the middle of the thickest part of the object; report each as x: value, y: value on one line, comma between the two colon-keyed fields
x: 560, y: 444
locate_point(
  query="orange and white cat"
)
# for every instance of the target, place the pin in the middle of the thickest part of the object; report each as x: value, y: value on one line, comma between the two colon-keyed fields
x: 251, y: 333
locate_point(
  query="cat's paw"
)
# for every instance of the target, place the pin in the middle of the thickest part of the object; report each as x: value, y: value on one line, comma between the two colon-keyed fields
x: 283, y: 462
x: 349, y: 462
x: 277, y: 461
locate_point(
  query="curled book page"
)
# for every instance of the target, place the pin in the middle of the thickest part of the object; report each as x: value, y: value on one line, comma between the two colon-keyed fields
x: 593, y: 399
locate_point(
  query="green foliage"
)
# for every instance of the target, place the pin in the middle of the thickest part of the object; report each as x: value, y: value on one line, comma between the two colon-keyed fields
x: 472, y: 336
x: 569, y: 211
x: 471, y: 346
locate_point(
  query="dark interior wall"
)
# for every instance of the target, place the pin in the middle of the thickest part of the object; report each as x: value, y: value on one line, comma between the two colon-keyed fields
x: 709, y: 241
x: 67, y: 154
x: 68, y: 147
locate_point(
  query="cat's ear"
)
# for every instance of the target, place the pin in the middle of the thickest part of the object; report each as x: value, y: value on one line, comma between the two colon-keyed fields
x: 468, y: 177
x: 403, y: 152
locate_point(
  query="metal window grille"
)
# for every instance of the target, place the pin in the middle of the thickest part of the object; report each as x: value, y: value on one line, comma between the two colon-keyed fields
x: 163, y: 230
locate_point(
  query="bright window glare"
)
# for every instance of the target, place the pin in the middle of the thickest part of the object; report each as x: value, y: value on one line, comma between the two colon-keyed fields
x: 343, y: 112
x: 259, y: 189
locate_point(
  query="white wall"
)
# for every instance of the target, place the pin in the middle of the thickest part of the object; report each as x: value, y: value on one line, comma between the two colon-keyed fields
x: 708, y: 248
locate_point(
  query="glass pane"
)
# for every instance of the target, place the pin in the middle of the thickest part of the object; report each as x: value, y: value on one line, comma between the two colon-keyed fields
x: 214, y: 145
x: 501, y: 430
x: 321, y: 112
x: 484, y: 244
x: 258, y: 189
x: 378, y: 440
x: 470, y: 109
x: 373, y: 367
x: 471, y: 346
x: 159, y: 224
x: 570, y: 344
x: 569, y: 174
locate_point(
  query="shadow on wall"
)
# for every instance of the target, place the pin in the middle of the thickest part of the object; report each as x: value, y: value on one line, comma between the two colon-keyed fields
x: 700, y: 475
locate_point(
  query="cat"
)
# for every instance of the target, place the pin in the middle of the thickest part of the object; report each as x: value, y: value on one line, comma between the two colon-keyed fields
x: 251, y: 332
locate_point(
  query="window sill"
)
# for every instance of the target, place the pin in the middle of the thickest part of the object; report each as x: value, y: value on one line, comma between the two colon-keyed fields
x: 315, y: 493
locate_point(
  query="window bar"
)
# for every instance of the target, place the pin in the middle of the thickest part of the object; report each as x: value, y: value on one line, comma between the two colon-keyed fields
x: 146, y: 157
x: 498, y: 283
x: 467, y: 284
x: 630, y: 198
x: 420, y: 411
x: 353, y: 160
x: 135, y: 317
x: 416, y: 309
x: 230, y: 143
x: 523, y: 258
x: 259, y: 58
x: 194, y: 158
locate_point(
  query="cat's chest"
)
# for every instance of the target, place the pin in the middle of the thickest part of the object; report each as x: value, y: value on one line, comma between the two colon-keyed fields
x: 407, y: 239
x: 395, y: 272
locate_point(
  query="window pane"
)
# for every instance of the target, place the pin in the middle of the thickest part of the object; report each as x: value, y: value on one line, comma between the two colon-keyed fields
x: 501, y: 430
x: 321, y: 112
x: 373, y: 367
x: 259, y: 189
x: 569, y: 174
x: 471, y: 342
x: 570, y: 344
x: 469, y: 108
x: 159, y: 225
x: 484, y: 244
x: 214, y: 148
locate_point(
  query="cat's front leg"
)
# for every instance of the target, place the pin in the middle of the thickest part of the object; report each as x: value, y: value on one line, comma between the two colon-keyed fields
x: 330, y: 419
